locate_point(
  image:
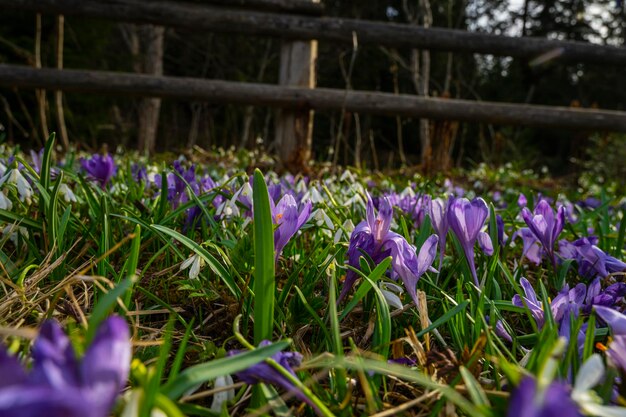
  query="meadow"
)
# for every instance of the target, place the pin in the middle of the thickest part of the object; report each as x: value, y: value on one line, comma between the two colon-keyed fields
x: 197, y: 285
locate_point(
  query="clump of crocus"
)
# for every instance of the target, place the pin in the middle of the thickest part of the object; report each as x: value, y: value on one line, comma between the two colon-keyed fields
x: 466, y: 219
x: 59, y: 384
x: 529, y: 399
x: 100, y: 168
x: 545, y: 225
x: 374, y: 237
x: 570, y: 303
x: 263, y: 372
x: 288, y: 220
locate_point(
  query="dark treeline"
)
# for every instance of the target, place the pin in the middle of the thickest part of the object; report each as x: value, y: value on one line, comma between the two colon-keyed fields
x: 93, y: 120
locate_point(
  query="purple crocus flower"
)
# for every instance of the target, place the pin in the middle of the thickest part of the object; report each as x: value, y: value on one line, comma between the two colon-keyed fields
x: 500, y: 330
x: 592, y: 261
x: 617, y: 352
x: 466, y: 219
x: 139, y: 173
x: 373, y: 236
x: 100, y: 168
x: 502, y: 237
x: 522, y: 201
x: 37, y: 158
x: 617, y: 323
x: 176, y: 187
x: 545, y: 225
x: 611, y: 297
x: 288, y: 220
x: 528, y: 401
x: 60, y: 385
x: 615, y: 319
x: 263, y: 372
x: 530, y: 245
x: 439, y: 219
x: 567, y: 303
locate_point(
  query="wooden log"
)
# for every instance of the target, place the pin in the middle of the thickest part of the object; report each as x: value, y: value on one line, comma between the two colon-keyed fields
x: 293, y: 134
x: 289, y: 6
x: 303, y: 98
x: 219, y: 19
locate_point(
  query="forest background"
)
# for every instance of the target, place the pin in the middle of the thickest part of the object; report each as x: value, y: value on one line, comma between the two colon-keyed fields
x: 91, y: 121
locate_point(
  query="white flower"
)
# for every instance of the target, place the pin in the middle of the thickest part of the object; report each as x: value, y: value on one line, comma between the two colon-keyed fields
x: 12, y: 230
x: 347, y: 176
x: 314, y: 195
x: 195, y: 262
x: 133, y: 398
x: 348, y: 226
x: 390, y: 292
x: 5, y: 203
x: 3, y: 168
x: 590, y: 375
x: 14, y: 176
x: 408, y: 191
x: 67, y: 193
x: 221, y: 397
x: 321, y: 218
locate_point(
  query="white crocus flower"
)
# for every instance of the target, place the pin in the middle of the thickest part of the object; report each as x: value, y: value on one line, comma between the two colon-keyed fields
x: 14, y: 176
x: 5, y: 203
x: 195, y: 262
x: 391, y: 293
x: 590, y: 375
x: 67, y: 194
x: 221, y: 397
x: 3, y: 169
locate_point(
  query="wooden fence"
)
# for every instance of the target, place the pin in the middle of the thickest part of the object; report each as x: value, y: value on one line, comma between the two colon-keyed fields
x: 300, y: 23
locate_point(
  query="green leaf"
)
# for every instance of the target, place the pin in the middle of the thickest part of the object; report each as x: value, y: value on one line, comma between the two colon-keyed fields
x: 46, y: 162
x: 103, y: 307
x: 11, y: 217
x: 199, y: 374
x: 476, y: 392
x: 443, y: 319
x: 364, y: 288
x: 264, y: 280
x: 133, y: 260
x: 213, y: 263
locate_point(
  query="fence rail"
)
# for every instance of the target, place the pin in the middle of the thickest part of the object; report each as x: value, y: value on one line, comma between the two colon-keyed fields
x: 290, y: 26
x: 304, y: 98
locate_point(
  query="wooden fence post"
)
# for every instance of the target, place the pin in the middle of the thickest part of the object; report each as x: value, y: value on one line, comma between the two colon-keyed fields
x: 294, y: 127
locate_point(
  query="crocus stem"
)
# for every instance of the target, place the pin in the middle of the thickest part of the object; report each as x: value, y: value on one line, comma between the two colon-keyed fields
x: 469, y: 255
